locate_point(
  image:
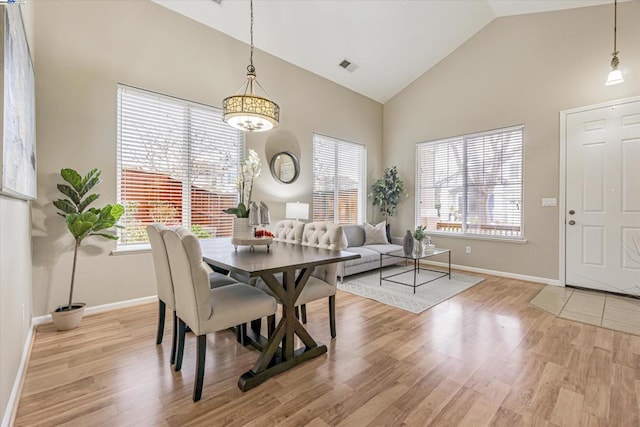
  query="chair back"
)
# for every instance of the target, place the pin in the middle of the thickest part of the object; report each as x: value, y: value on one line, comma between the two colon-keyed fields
x: 161, y: 265
x: 190, y: 277
x: 324, y: 235
x: 288, y: 230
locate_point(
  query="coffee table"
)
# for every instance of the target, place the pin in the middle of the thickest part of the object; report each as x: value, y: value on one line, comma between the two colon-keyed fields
x: 416, y: 266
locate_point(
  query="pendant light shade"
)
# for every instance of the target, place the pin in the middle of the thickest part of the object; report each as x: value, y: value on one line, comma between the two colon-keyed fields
x: 246, y: 110
x: 615, y: 75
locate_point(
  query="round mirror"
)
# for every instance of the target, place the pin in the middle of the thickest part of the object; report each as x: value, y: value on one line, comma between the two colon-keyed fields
x: 285, y: 167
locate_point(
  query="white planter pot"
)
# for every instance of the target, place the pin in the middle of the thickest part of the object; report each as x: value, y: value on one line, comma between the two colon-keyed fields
x: 68, y: 319
x: 242, y: 229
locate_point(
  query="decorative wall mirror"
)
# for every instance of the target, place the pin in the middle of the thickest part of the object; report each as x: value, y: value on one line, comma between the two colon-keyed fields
x: 285, y: 167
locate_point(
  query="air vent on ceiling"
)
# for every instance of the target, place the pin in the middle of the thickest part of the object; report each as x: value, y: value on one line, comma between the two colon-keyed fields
x: 218, y: 1
x: 348, y: 65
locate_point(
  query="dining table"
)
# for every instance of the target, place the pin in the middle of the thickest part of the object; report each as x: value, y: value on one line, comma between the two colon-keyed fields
x: 285, y: 268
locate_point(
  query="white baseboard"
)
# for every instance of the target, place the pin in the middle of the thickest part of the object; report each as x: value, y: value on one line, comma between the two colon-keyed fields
x: 14, y: 397
x: 546, y: 281
x: 102, y: 308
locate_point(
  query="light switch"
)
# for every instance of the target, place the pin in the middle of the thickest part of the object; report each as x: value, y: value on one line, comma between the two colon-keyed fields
x: 549, y: 202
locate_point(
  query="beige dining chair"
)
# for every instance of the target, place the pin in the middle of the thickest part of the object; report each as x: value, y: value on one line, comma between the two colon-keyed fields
x: 324, y: 279
x: 201, y: 308
x: 284, y: 231
x: 288, y: 230
x: 165, y: 285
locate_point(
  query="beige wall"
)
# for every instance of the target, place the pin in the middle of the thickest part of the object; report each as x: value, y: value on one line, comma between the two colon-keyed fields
x: 15, y: 276
x: 84, y: 49
x: 520, y: 69
x: 15, y: 290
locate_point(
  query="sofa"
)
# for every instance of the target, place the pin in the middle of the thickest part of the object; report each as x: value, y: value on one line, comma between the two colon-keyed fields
x: 355, y: 237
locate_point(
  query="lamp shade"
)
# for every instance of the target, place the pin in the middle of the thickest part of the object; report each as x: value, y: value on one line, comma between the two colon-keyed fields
x: 250, y: 113
x: 297, y: 210
x: 615, y: 77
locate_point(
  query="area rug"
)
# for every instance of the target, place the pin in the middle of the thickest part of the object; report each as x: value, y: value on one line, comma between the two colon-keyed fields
x: 368, y: 285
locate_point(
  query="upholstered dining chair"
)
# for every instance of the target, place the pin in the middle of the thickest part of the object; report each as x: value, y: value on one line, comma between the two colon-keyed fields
x: 288, y: 230
x: 324, y: 279
x: 165, y: 285
x: 202, y: 309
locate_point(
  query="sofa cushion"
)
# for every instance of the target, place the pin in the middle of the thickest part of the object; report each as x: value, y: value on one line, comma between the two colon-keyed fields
x: 366, y: 255
x: 382, y: 249
x: 355, y: 234
x: 375, y: 234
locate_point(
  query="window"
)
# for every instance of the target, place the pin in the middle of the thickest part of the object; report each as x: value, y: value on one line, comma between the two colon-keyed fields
x: 177, y: 164
x: 472, y: 184
x: 338, y: 180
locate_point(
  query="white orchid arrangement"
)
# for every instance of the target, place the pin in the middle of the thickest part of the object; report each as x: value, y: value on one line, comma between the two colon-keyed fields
x: 249, y: 171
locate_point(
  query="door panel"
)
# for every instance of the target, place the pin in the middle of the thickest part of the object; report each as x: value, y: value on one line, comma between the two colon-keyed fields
x: 603, y: 188
x: 593, y: 247
x: 630, y: 175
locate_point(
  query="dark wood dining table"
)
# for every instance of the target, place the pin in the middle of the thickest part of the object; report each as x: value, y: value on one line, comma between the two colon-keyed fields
x: 296, y: 263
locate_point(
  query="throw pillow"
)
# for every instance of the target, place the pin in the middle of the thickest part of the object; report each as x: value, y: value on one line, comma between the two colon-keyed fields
x: 345, y: 241
x: 375, y: 234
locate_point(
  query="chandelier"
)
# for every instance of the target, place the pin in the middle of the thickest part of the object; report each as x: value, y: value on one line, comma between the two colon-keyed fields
x: 247, y: 111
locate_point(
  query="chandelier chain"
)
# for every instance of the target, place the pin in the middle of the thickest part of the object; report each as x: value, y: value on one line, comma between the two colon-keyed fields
x: 615, y: 26
x: 251, y: 32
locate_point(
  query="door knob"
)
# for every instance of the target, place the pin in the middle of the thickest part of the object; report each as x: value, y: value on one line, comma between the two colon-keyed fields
x: 571, y: 212
x: 572, y: 222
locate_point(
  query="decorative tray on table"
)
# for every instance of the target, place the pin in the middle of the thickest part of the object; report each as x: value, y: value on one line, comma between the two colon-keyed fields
x: 251, y: 241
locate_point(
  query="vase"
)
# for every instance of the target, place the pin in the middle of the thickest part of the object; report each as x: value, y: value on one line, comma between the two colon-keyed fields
x: 407, y: 243
x: 242, y: 229
x: 417, y: 247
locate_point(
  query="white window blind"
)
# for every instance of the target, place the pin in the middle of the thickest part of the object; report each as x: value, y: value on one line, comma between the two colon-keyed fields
x: 177, y: 164
x: 338, y: 180
x: 472, y: 184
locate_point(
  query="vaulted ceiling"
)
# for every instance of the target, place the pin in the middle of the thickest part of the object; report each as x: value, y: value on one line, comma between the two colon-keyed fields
x: 390, y: 42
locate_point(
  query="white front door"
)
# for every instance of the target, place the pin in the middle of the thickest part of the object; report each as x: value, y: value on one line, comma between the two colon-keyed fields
x: 602, y: 218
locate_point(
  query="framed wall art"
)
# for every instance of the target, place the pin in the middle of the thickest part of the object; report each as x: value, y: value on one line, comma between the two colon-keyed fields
x: 18, y: 142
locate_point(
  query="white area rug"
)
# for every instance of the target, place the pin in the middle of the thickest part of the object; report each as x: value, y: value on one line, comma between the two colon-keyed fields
x: 368, y: 285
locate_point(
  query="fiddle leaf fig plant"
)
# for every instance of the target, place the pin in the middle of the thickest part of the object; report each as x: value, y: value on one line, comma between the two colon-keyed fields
x: 81, y: 220
x: 386, y: 192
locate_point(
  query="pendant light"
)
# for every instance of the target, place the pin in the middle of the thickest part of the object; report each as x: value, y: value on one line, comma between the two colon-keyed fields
x: 615, y: 75
x: 246, y: 110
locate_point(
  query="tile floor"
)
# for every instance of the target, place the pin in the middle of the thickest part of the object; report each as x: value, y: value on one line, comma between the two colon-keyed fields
x: 596, y: 308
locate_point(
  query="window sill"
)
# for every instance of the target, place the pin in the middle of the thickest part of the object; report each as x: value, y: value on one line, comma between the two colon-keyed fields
x: 142, y: 248
x: 518, y: 240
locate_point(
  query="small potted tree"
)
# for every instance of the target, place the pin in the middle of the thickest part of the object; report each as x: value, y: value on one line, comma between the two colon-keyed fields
x: 82, y: 222
x: 386, y: 193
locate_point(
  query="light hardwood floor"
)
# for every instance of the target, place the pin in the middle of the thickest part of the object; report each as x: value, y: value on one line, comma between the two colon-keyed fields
x: 485, y: 357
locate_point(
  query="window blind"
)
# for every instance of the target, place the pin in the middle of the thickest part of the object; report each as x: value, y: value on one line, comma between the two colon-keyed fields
x: 338, y: 180
x: 472, y: 184
x: 178, y: 164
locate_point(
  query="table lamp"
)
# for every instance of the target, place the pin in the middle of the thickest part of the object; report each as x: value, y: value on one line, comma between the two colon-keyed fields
x: 297, y: 210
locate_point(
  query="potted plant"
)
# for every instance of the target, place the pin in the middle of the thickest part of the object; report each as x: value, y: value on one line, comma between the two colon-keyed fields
x: 249, y: 171
x: 419, y: 235
x: 82, y: 222
x: 386, y: 193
